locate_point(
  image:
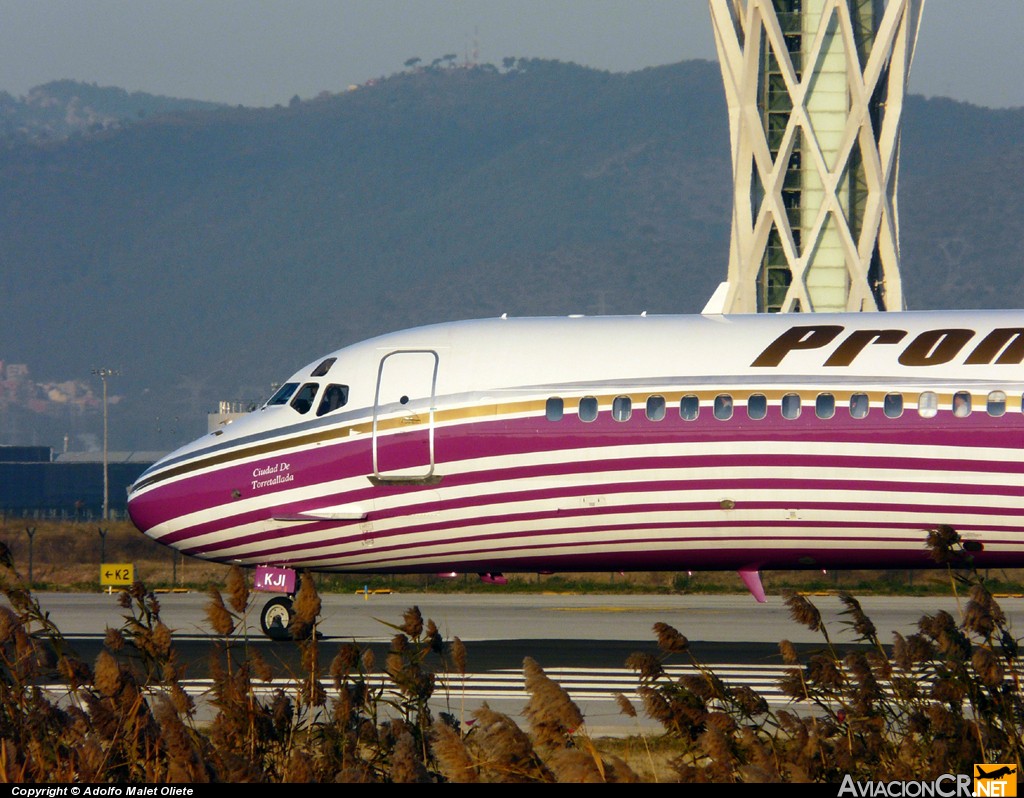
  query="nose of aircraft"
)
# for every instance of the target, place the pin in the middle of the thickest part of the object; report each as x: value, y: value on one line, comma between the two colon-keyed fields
x: 150, y: 500
x: 137, y: 510
x: 143, y: 508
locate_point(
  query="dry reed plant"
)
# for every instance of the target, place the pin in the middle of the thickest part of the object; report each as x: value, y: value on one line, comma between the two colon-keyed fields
x: 937, y: 702
x: 933, y: 702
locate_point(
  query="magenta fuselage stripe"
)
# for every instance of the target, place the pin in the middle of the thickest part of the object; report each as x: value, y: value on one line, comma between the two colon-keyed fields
x: 317, y: 466
x: 518, y: 541
x: 509, y: 516
x: 497, y: 496
x: 532, y: 435
x: 181, y: 491
x: 716, y: 558
x: 518, y: 435
x: 354, y: 537
x: 654, y: 550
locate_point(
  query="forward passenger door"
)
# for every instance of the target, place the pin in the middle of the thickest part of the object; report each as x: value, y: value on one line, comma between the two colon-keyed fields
x: 403, y: 416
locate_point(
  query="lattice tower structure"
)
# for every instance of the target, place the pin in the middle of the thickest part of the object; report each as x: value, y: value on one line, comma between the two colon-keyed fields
x: 815, y: 91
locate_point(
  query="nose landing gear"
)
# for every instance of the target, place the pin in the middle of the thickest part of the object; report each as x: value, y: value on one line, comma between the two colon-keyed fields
x: 275, y: 618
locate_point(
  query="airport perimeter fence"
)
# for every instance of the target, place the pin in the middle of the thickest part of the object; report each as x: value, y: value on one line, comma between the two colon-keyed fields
x: 64, y: 515
x: 52, y: 549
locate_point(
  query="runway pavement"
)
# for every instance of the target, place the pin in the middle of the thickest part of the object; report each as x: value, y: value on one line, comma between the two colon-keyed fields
x: 581, y: 641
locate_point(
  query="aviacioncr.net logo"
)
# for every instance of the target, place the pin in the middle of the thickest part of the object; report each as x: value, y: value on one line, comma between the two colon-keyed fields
x: 995, y: 780
x: 947, y: 785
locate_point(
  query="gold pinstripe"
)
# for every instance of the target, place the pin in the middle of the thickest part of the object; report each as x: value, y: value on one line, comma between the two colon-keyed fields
x: 505, y: 409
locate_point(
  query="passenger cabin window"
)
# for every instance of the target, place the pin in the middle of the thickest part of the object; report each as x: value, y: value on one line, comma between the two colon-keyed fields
x: 928, y: 404
x: 554, y: 409
x: 588, y: 408
x: 622, y: 408
x: 303, y: 400
x: 996, y: 404
x: 791, y: 406
x: 892, y: 405
x: 323, y: 368
x: 655, y: 408
x: 689, y: 407
x: 284, y: 393
x: 723, y: 407
x: 961, y: 404
x: 859, y: 405
x: 757, y: 406
x: 825, y: 405
x: 335, y: 396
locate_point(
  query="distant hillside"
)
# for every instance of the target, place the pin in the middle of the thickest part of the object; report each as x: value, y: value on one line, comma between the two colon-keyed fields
x: 64, y: 108
x: 211, y: 253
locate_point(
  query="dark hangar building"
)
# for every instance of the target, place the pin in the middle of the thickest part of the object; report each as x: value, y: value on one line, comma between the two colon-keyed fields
x: 34, y: 482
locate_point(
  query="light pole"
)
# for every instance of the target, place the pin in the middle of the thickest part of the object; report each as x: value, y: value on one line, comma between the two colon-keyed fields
x: 103, y: 374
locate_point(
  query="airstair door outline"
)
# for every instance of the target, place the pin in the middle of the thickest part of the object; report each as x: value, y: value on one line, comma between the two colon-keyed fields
x: 403, y: 416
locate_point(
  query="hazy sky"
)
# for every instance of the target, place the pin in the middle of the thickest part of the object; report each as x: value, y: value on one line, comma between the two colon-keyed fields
x: 261, y: 52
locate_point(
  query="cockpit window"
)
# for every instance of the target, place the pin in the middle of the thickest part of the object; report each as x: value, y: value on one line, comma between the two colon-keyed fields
x: 323, y: 368
x: 303, y: 400
x: 334, y: 397
x: 284, y: 393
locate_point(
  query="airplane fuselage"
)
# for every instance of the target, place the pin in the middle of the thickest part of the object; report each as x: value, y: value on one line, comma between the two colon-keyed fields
x: 619, y: 443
